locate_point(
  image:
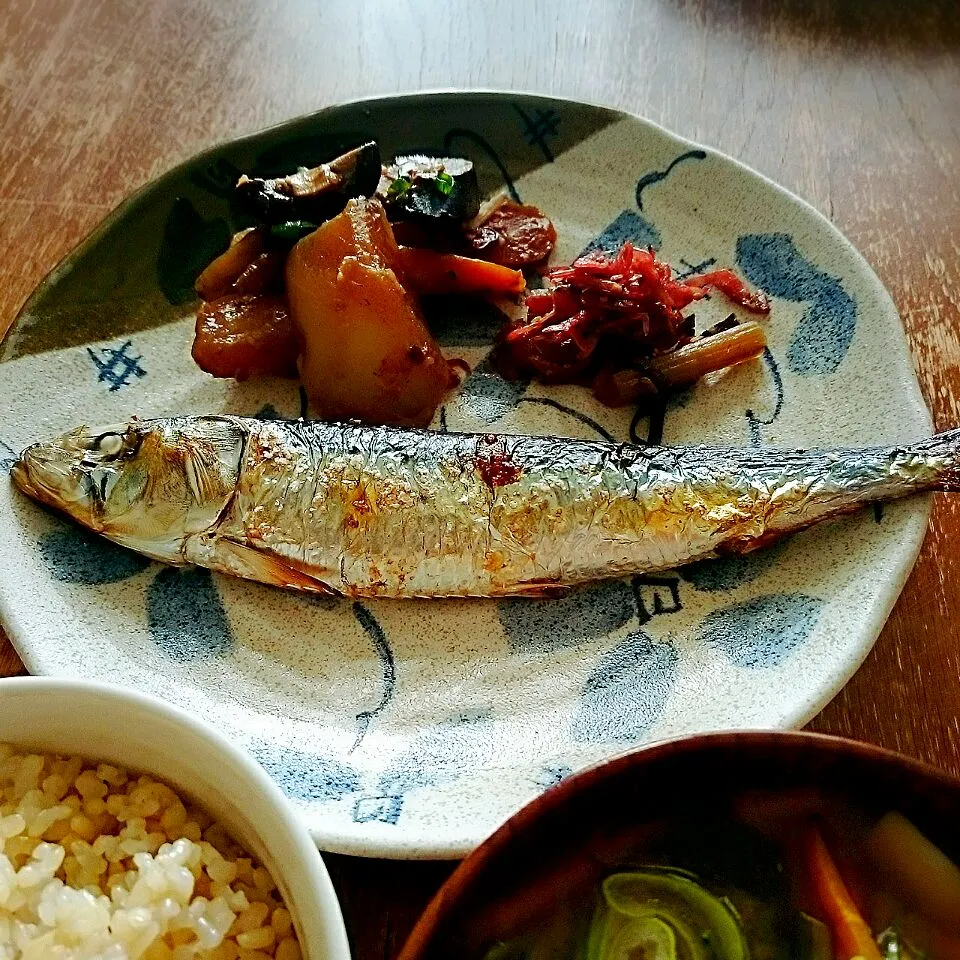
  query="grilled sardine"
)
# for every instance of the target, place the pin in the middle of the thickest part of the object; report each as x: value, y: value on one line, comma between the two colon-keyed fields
x: 375, y: 511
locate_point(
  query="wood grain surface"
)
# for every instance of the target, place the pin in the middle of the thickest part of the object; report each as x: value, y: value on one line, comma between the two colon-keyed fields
x: 854, y: 106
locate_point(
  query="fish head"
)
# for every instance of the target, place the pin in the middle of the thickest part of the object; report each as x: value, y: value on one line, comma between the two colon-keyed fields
x: 148, y: 484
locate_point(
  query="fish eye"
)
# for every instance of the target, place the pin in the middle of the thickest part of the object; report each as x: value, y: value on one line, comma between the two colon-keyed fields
x: 109, y: 444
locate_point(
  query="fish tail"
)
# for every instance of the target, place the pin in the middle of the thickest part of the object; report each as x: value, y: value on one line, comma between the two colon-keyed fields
x: 940, y: 455
x: 842, y: 481
x: 889, y: 473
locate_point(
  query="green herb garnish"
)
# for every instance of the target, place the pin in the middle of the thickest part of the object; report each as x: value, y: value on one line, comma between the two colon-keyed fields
x: 444, y: 183
x: 398, y: 188
x: 292, y: 229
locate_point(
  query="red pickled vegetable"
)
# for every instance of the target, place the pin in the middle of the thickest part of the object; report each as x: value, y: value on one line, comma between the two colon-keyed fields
x: 610, y: 314
x: 733, y: 288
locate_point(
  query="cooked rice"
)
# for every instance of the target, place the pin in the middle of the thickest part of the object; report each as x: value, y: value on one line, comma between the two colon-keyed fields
x: 99, y: 864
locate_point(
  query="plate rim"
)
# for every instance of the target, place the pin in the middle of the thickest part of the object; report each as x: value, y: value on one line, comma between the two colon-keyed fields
x: 409, y: 844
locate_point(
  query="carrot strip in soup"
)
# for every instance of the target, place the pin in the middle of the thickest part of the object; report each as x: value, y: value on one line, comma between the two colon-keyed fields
x: 851, y: 934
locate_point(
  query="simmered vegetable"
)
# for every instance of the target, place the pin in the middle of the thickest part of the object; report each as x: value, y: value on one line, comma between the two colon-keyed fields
x: 367, y: 353
x: 441, y: 190
x: 702, y: 355
x: 263, y: 275
x: 218, y: 278
x: 429, y: 272
x: 341, y: 300
x: 513, y: 234
x: 927, y: 879
x: 645, y: 936
x: 246, y: 336
x: 314, y: 194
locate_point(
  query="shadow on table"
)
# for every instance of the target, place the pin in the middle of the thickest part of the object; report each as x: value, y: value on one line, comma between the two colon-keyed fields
x: 923, y: 26
x: 382, y: 899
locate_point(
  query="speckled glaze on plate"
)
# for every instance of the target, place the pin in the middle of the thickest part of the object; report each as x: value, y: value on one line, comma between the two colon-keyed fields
x: 413, y: 728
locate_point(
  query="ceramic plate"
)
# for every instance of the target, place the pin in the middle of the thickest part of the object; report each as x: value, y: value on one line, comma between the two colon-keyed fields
x: 413, y: 728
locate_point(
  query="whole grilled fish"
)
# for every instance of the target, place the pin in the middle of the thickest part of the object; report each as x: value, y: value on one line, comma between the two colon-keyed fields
x: 377, y: 511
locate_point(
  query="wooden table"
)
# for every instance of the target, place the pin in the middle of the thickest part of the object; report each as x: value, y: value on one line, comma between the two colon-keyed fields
x: 854, y: 106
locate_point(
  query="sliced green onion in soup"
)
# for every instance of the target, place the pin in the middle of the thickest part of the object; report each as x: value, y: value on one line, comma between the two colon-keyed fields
x: 663, y: 914
x: 642, y: 938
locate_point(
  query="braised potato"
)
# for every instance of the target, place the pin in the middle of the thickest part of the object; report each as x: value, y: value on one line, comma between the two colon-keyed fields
x: 366, y: 351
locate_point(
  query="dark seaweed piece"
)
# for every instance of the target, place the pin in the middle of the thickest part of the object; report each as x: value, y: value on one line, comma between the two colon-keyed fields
x: 315, y: 194
x: 727, y: 323
x: 721, y: 852
x: 734, y: 860
x: 432, y: 189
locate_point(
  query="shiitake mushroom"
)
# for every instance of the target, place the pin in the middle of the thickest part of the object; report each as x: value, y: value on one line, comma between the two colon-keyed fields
x: 314, y: 194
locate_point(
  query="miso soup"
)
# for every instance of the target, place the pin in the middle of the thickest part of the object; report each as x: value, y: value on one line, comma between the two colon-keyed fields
x: 762, y: 876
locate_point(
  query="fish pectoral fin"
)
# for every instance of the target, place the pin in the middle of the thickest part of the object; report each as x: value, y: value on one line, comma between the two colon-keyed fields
x: 535, y: 589
x: 747, y: 544
x: 264, y: 566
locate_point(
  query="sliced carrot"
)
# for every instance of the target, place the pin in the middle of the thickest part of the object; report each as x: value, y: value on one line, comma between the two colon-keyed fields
x: 850, y: 932
x: 430, y: 272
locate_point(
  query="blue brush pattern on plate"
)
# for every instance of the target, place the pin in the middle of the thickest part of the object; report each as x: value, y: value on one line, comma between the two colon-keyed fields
x: 727, y: 573
x: 439, y: 753
x: 487, y: 395
x: 761, y: 632
x: 116, y: 365
x: 629, y: 227
x: 550, y: 776
x: 462, y: 321
x: 569, y: 411
x: 186, y: 616
x: 537, y: 126
x: 636, y: 228
x: 658, y: 176
x: 586, y: 613
x: 307, y: 777
x: 75, y: 555
x: 825, y: 331
x: 389, y: 671
x: 8, y: 456
x: 754, y: 420
x: 189, y: 243
x: 626, y: 691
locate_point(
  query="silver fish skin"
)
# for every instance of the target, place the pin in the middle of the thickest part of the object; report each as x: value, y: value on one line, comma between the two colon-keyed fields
x: 384, y: 512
